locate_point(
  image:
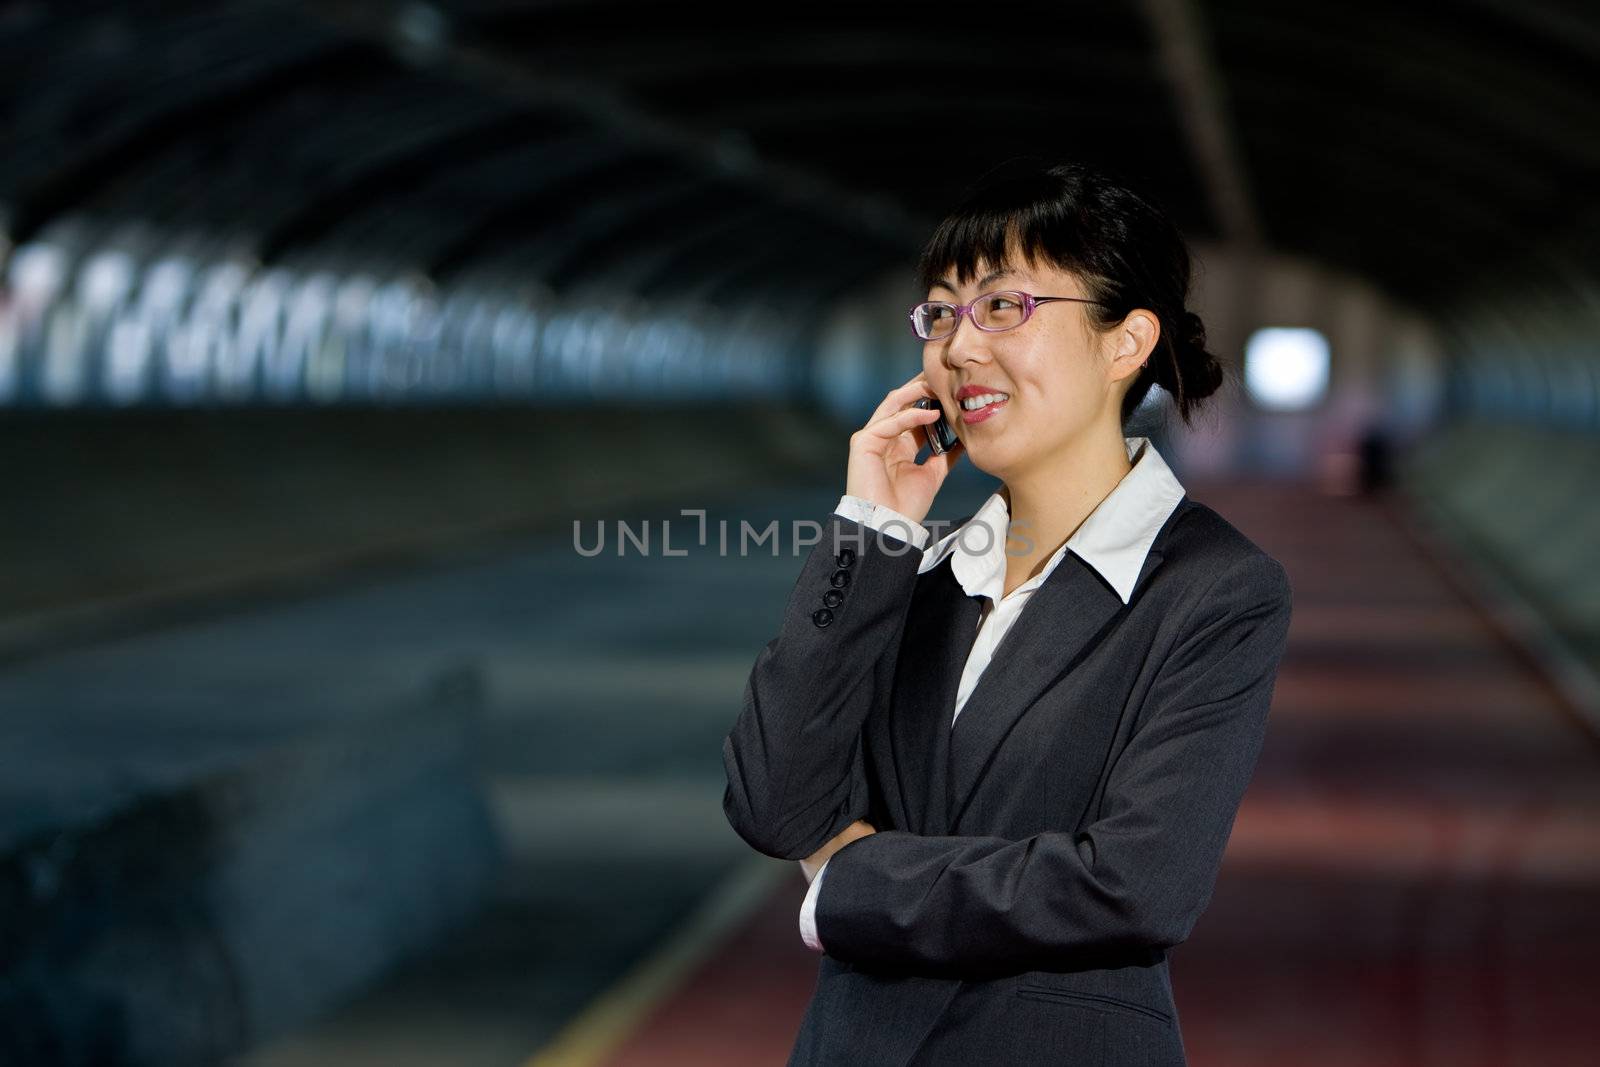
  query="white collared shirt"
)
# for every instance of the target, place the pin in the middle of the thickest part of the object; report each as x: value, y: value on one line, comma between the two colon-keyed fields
x: 1114, y: 540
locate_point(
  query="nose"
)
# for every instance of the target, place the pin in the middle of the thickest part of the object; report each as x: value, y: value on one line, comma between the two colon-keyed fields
x: 966, y: 342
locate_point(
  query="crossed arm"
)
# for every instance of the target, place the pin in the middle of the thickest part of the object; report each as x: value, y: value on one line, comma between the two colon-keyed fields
x: 1138, y: 876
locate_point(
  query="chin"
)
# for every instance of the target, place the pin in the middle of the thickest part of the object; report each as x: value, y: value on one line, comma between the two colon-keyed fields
x: 989, y: 464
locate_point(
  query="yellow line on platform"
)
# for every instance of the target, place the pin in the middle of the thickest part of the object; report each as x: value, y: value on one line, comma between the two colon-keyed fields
x: 613, y: 1016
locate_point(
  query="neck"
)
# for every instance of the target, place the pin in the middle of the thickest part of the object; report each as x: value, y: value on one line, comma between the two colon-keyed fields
x: 1049, y: 502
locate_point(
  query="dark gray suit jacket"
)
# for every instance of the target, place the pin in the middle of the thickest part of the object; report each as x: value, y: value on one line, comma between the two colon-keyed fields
x: 1035, y: 862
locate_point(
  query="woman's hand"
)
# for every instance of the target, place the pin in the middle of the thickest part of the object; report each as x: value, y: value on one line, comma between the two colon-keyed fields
x: 883, y: 454
x: 813, y: 863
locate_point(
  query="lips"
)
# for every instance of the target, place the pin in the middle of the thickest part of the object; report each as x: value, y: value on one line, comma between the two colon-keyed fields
x: 978, y: 391
x: 979, y: 400
x: 984, y: 413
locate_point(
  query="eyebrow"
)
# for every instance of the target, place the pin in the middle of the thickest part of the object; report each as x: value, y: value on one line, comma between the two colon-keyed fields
x: 982, y: 282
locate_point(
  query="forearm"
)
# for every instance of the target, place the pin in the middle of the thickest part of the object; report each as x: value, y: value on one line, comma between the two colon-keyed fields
x: 975, y: 904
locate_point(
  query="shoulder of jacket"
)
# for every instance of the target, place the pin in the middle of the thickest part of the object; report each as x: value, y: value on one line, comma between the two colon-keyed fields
x: 1214, y: 547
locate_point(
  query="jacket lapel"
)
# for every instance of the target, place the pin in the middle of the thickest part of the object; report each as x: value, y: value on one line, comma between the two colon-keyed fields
x: 1059, y: 624
x: 940, y: 629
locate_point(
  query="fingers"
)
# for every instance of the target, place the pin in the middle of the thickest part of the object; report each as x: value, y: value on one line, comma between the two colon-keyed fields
x: 902, y: 395
x: 891, y: 426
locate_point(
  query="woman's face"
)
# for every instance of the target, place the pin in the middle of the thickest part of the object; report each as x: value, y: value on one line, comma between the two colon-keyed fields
x: 1052, y: 368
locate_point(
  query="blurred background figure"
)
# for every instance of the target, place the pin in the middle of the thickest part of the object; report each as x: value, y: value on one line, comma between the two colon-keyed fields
x: 1374, y: 450
x: 410, y: 415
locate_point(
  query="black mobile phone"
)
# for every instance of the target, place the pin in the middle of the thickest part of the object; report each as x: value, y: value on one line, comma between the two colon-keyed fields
x: 941, y: 438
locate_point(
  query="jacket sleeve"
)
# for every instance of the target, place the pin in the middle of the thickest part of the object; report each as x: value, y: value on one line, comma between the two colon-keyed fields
x: 1139, y: 876
x: 794, y: 759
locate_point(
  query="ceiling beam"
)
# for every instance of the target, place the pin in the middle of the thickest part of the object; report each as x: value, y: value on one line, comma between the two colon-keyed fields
x: 1471, y: 87
x: 539, y: 244
x: 858, y: 58
x: 390, y: 170
x: 673, y: 253
x: 1191, y: 70
x: 628, y: 247
x: 122, y: 148
x: 432, y: 45
x: 579, y: 186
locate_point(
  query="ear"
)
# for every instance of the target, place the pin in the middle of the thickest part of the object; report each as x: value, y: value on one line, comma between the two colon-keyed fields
x: 1134, y: 338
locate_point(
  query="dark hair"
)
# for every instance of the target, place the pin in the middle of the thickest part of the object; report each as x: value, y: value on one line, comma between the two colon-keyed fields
x: 1125, y: 250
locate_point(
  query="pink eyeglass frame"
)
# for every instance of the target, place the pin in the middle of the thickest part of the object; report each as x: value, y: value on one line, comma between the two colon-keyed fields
x: 1029, y: 302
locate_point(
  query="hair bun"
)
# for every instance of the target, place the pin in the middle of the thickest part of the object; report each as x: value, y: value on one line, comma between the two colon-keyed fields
x: 1192, y: 332
x: 1196, y: 374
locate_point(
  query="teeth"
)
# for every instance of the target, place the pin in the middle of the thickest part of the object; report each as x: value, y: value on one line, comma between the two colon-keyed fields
x: 973, y: 403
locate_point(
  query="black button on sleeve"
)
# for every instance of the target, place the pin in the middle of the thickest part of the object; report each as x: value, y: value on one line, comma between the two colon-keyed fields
x: 840, y: 579
x: 833, y: 598
x: 822, y: 616
x: 845, y: 557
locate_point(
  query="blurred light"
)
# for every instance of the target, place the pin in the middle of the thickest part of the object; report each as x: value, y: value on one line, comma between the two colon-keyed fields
x: 337, y: 366
x: 10, y: 343
x: 306, y: 322
x: 108, y: 325
x: 104, y: 281
x: 260, y: 332
x: 37, y: 271
x: 188, y: 353
x: 1286, y: 368
x: 477, y: 344
x: 516, y: 342
x: 420, y: 33
x: 325, y: 374
x: 65, y: 365
x: 214, y: 345
x: 166, y: 285
x: 128, y: 352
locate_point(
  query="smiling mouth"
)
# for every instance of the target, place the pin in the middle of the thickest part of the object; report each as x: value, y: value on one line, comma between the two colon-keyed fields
x: 978, y: 403
x: 979, y: 408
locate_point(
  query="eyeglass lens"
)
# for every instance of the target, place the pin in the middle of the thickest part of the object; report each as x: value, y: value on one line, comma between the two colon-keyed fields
x: 995, y: 311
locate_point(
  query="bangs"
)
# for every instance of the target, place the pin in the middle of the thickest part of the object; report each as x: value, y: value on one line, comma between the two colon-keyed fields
x: 1010, y: 221
x: 961, y: 244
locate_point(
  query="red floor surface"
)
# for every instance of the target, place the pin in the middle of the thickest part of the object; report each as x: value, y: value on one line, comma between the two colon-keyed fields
x: 1414, y: 877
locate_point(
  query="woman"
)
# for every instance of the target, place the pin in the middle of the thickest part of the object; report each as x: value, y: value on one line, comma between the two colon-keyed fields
x: 1009, y: 760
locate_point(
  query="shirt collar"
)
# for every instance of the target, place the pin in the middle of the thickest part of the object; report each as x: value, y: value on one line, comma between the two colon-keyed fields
x: 1114, y: 539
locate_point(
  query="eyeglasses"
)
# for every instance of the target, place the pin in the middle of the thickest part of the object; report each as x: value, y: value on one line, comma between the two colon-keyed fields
x: 991, y: 312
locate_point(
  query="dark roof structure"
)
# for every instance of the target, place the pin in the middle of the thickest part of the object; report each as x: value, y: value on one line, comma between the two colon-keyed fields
x: 735, y: 152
